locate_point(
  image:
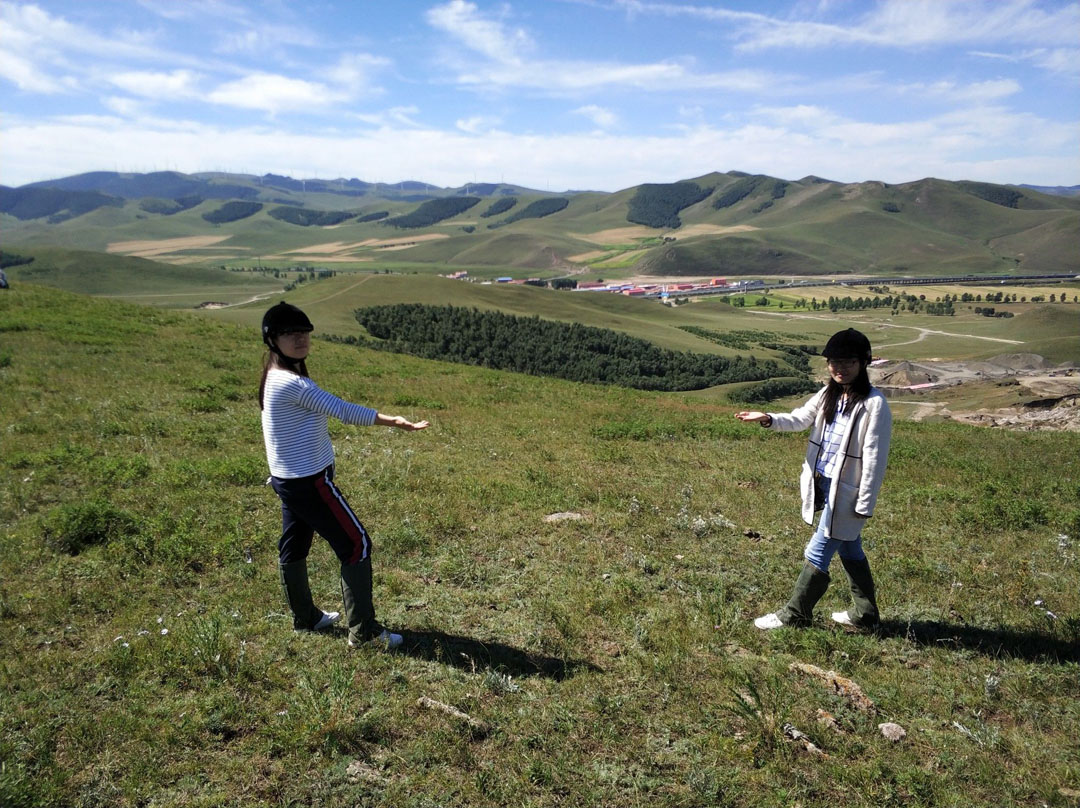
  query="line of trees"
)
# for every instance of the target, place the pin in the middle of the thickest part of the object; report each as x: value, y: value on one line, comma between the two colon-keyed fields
x: 548, y: 348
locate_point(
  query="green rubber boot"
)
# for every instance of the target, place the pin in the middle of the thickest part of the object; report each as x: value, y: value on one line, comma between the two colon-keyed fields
x: 865, y: 612
x: 359, y: 608
x: 294, y: 582
x: 809, y: 587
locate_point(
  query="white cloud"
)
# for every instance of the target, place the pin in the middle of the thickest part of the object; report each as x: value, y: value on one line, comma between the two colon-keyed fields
x: 463, y: 21
x: 477, y: 124
x: 27, y: 76
x: 598, y: 115
x: 354, y: 72
x: 175, y: 85
x: 126, y: 107
x: 273, y: 94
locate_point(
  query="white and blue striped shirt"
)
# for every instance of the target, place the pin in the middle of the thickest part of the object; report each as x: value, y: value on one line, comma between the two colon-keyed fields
x: 828, y: 461
x: 294, y: 423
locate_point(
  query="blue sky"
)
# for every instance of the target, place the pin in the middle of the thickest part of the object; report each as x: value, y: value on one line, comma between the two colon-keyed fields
x: 550, y: 94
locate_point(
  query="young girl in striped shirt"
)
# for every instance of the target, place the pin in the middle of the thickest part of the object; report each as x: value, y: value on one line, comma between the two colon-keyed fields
x: 301, y: 458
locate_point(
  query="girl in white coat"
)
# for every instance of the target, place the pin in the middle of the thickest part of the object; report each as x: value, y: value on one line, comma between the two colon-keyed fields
x: 850, y: 428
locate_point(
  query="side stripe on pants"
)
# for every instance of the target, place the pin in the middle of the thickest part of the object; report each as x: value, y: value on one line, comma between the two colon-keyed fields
x: 344, y: 516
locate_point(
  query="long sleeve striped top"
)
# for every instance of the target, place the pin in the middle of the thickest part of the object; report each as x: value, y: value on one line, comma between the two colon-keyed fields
x: 294, y: 423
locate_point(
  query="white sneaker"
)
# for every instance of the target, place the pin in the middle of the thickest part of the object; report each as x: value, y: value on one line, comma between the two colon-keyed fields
x: 768, y: 621
x: 328, y: 619
x: 843, y: 618
x: 389, y: 639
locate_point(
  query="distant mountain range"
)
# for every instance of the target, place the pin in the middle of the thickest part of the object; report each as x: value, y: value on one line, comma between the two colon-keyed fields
x: 730, y: 223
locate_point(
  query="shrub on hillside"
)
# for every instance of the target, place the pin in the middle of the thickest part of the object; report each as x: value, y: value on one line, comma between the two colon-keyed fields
x: 233, y: 212
x: 434, y: 211
x: 658, y: 205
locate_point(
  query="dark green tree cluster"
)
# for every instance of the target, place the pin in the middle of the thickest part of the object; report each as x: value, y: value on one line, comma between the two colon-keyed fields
x: 773, y: 389
x: 548, y: 348
x: 373, y: 217
x: 309, y: 218
x: 434, y: 211
x: 563, y: 283
x: 738, y: 191
x: 658, y: 205
x: 232, y: 211
x: 499, y: 206
x: 998, y: 194
x: 890, y: 207
x: 168, y: 207
x: 536, y: 210
x: 10, y: 259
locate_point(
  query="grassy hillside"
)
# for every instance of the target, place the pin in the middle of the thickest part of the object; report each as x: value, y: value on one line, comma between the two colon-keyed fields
x: 138, y: 279
x: 145, y: 657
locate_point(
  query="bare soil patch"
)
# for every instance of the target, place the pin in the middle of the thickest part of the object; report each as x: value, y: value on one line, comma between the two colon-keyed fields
x: 704, y: 229
x: 1050, y: 394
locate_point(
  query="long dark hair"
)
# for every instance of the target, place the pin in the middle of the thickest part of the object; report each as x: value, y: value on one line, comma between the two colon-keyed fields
x: 857, y: 391
x: 275, y: 360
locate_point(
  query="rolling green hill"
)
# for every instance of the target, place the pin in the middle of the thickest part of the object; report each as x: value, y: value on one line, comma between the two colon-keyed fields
x: 721, y: 223
x: 574, y: 568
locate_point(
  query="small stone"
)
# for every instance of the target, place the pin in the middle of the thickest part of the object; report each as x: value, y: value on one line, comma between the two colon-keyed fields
x: 564, y: 516
x: 894, y: 732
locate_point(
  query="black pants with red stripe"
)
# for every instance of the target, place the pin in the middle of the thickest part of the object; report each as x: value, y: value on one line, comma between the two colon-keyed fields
x: 314, y: 504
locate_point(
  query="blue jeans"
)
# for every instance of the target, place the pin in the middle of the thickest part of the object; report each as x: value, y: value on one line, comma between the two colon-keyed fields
x: 820, y: 550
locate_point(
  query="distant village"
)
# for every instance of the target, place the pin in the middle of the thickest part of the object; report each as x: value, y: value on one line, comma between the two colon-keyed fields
x: 653, y: 290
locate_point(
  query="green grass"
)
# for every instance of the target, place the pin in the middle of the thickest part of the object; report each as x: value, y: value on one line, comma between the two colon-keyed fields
x: 146, y: 657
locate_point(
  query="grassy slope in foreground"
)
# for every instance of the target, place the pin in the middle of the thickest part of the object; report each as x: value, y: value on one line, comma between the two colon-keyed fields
x: 612, y: 657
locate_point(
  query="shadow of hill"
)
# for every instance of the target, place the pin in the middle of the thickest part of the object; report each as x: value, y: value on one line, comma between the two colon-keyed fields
x: 1005, y: 642
x: 472, y: 655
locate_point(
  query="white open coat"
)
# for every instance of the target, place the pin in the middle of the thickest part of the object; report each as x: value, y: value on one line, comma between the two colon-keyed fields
x: 865, y: 451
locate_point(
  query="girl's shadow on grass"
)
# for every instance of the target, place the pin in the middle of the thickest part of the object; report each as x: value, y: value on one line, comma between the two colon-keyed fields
x: 474, y: 655
x: 1004, y: 642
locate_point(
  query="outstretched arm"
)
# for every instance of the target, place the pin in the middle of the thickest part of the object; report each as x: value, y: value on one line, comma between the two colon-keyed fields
x: 400, y: 422
x: 755, y: 417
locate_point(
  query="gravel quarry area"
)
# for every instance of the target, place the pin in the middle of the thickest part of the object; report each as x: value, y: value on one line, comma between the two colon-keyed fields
x: 1051, y: 395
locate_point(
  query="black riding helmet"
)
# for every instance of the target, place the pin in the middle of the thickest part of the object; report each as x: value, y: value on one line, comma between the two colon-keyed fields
x: 848, y: 344
x: 283, y: 318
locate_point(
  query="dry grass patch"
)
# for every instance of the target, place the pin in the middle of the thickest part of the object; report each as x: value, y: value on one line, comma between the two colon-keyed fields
x: 148, y: 249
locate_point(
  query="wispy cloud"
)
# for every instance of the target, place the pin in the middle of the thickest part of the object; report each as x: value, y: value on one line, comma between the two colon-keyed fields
x: 163, y: 86
x: 604, y: 118
x: 500, y: 58
x: 893, y: 24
